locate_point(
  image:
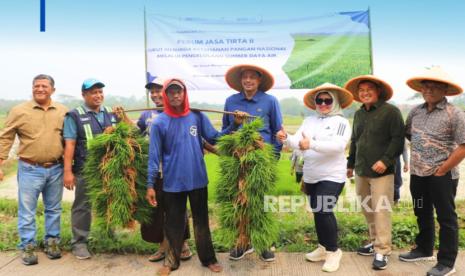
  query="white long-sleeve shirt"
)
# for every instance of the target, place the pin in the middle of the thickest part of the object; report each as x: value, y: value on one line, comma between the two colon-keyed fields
x: 325, y: 160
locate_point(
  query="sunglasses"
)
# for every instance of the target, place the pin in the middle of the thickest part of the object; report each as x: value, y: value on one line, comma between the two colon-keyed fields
x: 320, y: 101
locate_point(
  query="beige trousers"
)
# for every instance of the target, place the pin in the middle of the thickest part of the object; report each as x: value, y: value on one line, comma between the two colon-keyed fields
x: 376, y: 199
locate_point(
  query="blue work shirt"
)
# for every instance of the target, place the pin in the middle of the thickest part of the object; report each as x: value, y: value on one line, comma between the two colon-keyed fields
x: 262, y: 105
x: 70, y: 127
x: 177, y: 144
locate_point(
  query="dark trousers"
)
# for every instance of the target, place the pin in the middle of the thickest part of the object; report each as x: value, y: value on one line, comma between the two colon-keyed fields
x: 323, y: 197
x: 397, y: 179
x: 153, y: 231
x: 436, y: 192
x: 81, y: 212
x: 175, y: 225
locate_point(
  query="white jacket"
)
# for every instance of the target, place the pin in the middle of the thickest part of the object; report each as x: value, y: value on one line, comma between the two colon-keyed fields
x: 325, y: 160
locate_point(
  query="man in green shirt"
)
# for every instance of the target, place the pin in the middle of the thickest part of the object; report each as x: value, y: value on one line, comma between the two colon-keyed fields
x: 377, y: 140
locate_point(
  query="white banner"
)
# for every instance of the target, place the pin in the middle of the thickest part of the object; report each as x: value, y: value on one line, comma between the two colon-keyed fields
x: 299, y: 52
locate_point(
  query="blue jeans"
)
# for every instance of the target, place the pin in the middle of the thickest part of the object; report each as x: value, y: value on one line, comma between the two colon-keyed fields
x: 33, y: 180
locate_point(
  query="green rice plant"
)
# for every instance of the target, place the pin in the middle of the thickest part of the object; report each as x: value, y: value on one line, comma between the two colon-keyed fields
x: 247, y: 174
x: 116, y: 172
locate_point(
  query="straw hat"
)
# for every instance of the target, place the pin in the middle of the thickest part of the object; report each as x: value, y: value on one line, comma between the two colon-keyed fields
x: 233, y: 77
x: 345, y: 97
x: 435, y: 73
x: 352, y: 86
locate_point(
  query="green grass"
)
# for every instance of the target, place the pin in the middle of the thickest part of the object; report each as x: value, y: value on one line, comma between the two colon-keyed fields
x: 317, y: 59
x: 285, y: 185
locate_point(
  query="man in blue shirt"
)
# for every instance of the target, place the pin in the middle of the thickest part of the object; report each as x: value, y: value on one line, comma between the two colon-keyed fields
x: 176, y: 142
x: 82, y: 124
x: 153, y: 231
x: 252, y: 82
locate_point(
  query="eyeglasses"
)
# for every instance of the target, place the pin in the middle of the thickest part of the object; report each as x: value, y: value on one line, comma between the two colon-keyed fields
x: 320, y: 101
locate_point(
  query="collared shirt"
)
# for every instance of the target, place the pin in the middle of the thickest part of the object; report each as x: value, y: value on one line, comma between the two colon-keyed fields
x: 377, y: 134
x: 262, y: 105
x: 39, y: 131
x: 434, y: 135
x: 70, y: 127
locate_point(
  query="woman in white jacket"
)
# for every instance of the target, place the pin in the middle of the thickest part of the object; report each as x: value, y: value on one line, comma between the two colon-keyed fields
x: 323, y: 139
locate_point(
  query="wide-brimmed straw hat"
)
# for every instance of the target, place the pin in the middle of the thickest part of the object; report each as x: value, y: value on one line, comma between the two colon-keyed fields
x: 234, y: 74
x: 352, y: 86
x: 345, y: 97
x: 435, y: 73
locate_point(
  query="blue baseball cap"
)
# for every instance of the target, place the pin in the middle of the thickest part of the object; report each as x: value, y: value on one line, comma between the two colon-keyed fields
x: 89, y: 83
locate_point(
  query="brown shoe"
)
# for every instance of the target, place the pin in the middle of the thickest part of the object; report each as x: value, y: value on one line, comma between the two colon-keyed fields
x: 216, y: 267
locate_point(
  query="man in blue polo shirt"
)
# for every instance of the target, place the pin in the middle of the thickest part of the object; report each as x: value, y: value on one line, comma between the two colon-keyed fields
x: 82, y: 124
x: 252, y: 82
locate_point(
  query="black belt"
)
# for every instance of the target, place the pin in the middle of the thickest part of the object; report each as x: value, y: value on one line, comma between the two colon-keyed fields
x: 44, y: 164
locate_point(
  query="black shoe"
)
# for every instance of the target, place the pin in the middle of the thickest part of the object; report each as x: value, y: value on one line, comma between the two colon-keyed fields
x: 440, y: 270
x: 267, y: 256
x: 380, y: 261
x: 366, y: 250
x: 415, y: 255
x: 239, y: 253
x: 28, y: 256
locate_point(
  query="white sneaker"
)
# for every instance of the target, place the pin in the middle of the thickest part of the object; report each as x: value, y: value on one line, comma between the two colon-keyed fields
x: 319, y: 254
x: 332, y: 261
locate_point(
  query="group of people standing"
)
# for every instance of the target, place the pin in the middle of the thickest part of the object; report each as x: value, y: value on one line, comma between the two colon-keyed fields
x: 435, y: 130
x: 53, y: 147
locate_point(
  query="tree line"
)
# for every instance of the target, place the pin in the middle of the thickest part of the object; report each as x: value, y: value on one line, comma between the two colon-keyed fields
x: 289, y: 106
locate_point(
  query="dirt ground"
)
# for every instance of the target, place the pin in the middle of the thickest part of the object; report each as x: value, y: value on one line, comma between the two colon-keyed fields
x: 137, y: 265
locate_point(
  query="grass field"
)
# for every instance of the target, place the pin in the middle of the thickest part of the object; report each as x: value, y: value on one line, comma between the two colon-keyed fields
x: 317, y: 59
x: 285, y: 185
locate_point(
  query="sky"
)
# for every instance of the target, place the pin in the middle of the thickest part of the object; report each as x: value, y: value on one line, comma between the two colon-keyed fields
x: 104, y: 39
